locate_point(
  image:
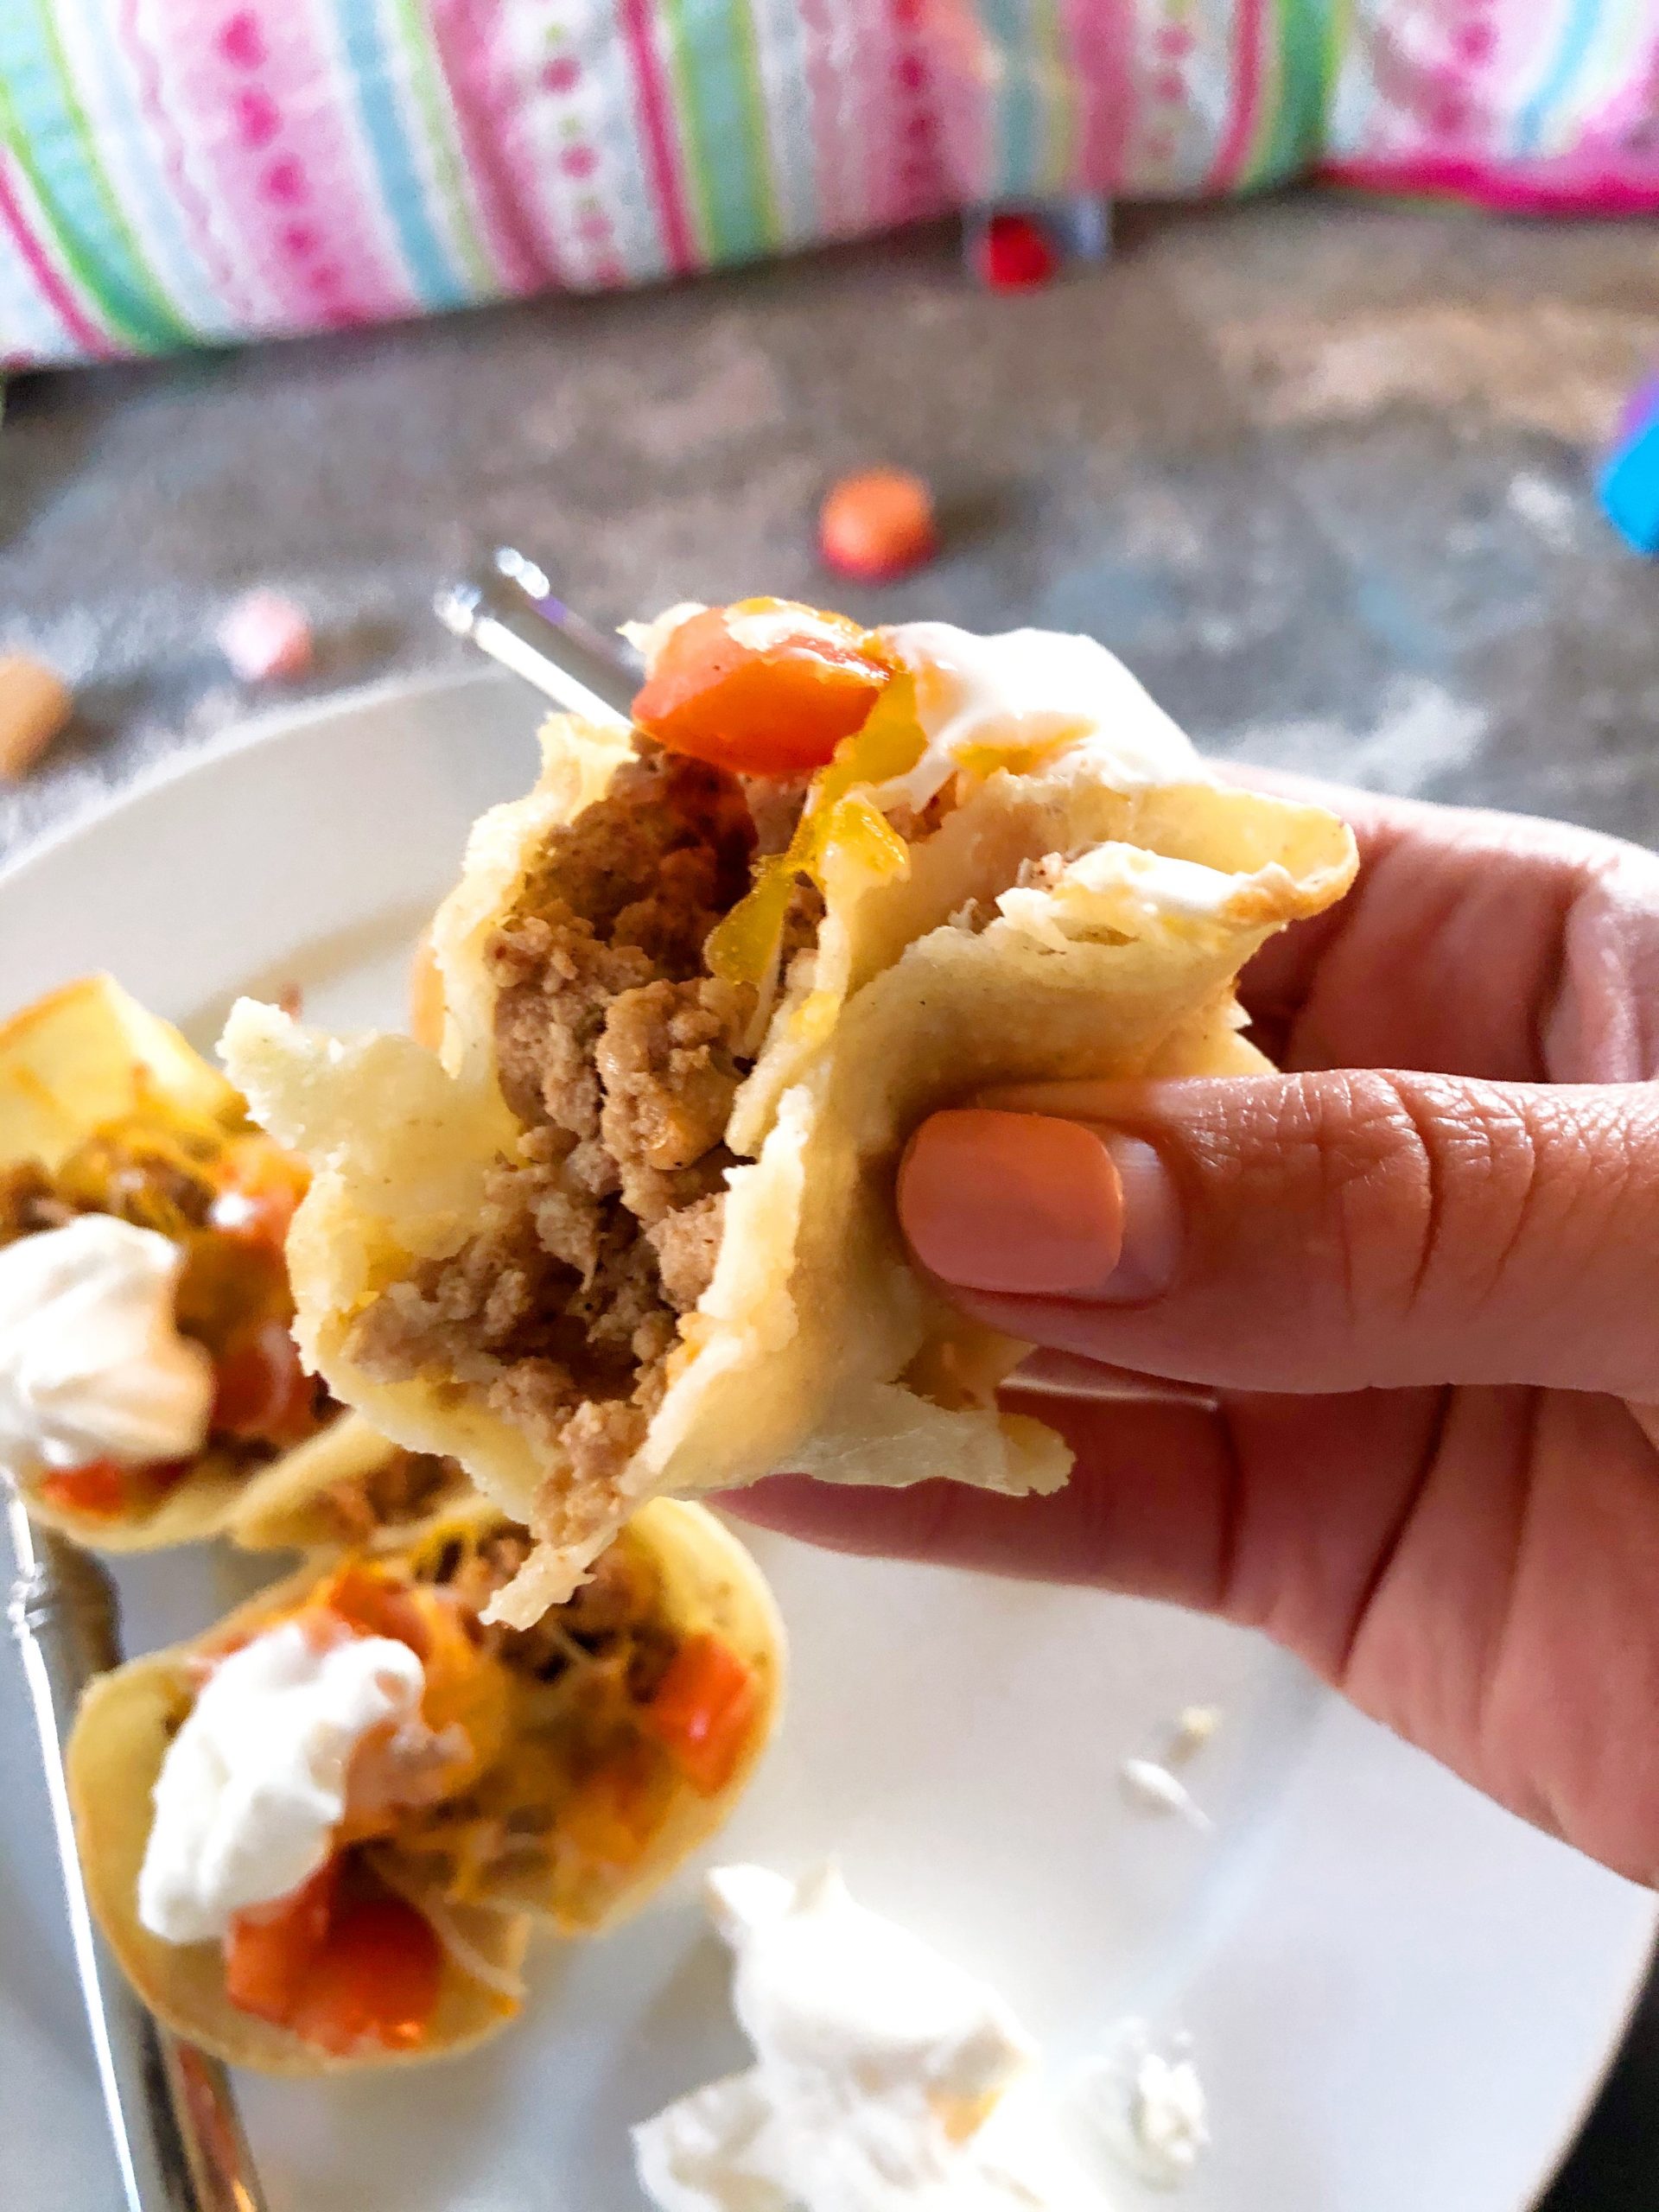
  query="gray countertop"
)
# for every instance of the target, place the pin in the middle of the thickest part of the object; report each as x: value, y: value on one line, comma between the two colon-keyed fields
x: 1319, y: 473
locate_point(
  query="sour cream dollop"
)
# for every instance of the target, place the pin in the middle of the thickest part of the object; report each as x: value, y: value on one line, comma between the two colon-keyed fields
x: 255, y: 1783
x: 880, y: 2073
x: 92, y: 1363
x: 1023, y: 691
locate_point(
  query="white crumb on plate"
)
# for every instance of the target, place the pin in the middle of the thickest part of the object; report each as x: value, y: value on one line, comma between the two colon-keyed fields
x: 1151, y: 1788
x: 1194, y: 1725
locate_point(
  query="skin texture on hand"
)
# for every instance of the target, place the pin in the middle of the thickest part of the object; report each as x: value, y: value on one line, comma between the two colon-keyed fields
x: 1411, y: 1289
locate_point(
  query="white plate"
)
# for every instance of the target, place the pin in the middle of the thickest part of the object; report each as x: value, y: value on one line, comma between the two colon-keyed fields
x: 1402, y: 1999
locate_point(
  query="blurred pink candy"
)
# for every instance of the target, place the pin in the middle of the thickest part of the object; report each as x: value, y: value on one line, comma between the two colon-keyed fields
x: 266, y: 637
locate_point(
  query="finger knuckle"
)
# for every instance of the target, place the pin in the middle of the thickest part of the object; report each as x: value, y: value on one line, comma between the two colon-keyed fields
x: 1430, y: 1182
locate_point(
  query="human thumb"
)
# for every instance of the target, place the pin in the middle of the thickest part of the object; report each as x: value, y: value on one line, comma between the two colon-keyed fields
x: 1333, y: 1231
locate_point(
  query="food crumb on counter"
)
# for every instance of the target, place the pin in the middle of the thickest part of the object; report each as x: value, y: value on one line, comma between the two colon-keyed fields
x: 266, y: 637
x: 36, y: 704
x: 877, y: 525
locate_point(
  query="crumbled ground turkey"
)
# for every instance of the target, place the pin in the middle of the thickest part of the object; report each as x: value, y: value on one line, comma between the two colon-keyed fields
x: 29, y: 1203
x: 397, y: 1488
x: 615, y: 1611
x: 620, y: 1057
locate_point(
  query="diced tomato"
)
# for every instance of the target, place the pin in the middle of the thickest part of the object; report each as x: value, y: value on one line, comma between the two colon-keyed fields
x: 263, y: 1186
x: 269, y: 1953
x: 107, y: 1488
x: 264, y: 1396
x: 370, y: 1605
x: 339, y: 1971
x: 776, y: 706
x: 374, y: 1981
x: 101, y: 1486
x: 702, y: 1711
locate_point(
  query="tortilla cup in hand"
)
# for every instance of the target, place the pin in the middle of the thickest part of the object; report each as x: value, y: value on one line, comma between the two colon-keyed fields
x: 632, y: 1231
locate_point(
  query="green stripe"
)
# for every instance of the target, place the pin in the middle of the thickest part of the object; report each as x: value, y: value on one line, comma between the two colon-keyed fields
x: 93, y: 237
x: 412, y: 18
x: 723, y: 122
x: 1065, y: 94
x: 1297, y: 111
x: 1337, y: 24
x: 754, y: 101
x: 1037, y: 97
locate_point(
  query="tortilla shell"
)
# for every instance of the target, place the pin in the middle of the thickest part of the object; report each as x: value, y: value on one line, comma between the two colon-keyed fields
x: 124, y: 1724
x: 279, y: 1508
x: 122, y: 1730
x: 815, y: 1347
x: 84, y: 1055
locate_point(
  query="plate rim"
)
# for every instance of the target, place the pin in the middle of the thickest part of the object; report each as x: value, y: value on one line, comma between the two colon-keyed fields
x: 270, y: 724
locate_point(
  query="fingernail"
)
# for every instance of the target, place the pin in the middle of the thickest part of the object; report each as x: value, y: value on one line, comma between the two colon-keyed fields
x: 1030, y: 1204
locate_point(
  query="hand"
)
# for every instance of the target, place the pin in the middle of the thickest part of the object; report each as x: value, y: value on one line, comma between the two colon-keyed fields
x: 1421, y: 1309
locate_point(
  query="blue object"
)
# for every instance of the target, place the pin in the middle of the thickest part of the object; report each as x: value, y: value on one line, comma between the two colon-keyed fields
x: 1080, y: 224
x: 1629, y: 488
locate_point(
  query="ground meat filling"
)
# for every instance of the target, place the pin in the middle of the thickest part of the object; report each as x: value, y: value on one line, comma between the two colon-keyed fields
x: 620, y: 1056
x: 400, y: 1487
x: 30, y: 1202
x: 617, y: 1613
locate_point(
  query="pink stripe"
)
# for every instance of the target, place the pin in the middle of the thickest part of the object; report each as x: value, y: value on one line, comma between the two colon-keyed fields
x: 1102, y: 63
x: 656, y: 129
x: 828, y: 48
x: 463, y: 36
x: 1234, y: 151
x: 1592, y: 192
x: 87, y: 335
x: 194, y: 210
x: 261, y: 104
x: 883, y: 54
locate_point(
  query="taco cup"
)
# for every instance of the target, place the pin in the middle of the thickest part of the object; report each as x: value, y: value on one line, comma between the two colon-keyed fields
x: 148, y: 1369
x: 347, y: 1486
x: 631, y: 1231
x: 552, y: 1777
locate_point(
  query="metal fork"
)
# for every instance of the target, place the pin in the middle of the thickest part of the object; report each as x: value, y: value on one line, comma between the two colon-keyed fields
x: 174, y: 2126
x: 512, y: 612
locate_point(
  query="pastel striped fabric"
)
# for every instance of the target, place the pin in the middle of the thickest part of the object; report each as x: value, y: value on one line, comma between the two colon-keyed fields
x: 181, y: 172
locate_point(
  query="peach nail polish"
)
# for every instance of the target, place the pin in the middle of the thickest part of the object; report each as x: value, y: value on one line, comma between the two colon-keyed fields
x: 1032, y: 1205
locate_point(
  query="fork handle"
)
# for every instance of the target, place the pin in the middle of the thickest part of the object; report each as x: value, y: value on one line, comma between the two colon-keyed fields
x: 173, y: 2124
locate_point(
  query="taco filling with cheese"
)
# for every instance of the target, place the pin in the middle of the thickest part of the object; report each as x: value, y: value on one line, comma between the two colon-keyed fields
x: 631, y: 1229
x: 147, y: 1366
x: 318, y: 1835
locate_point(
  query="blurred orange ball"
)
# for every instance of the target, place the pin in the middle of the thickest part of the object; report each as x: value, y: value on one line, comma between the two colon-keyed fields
x: 877, y: 525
